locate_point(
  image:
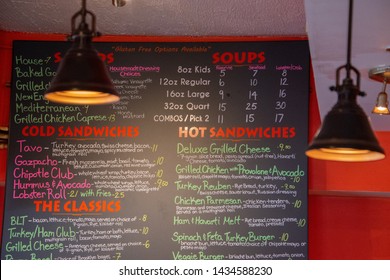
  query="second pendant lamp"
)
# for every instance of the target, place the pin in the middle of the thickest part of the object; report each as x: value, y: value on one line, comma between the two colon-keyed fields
x: 82, y: 77
x: 346, y: 133
x: 381, y: 74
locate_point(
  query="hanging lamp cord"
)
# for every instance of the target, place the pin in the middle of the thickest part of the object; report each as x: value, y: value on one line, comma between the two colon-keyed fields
x: 348, y: 66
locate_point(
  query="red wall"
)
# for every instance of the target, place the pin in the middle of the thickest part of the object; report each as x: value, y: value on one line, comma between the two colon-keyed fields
x: 349, y: 203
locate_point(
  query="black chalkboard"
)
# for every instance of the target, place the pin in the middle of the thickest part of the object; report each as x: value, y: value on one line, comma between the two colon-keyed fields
x: 203, y: 157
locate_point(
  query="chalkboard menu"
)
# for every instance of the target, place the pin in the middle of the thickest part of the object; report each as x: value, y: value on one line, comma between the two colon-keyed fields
x: 202, y: 158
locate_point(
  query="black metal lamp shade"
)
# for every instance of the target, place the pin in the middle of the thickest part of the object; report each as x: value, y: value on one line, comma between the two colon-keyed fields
x: 346, y: 134
x: 82, y: 78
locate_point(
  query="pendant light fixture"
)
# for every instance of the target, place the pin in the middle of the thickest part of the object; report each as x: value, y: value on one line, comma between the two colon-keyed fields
x: 3, y: 137
x: 82, y: 77
x: 381, y: 74
x: 346, y: 133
